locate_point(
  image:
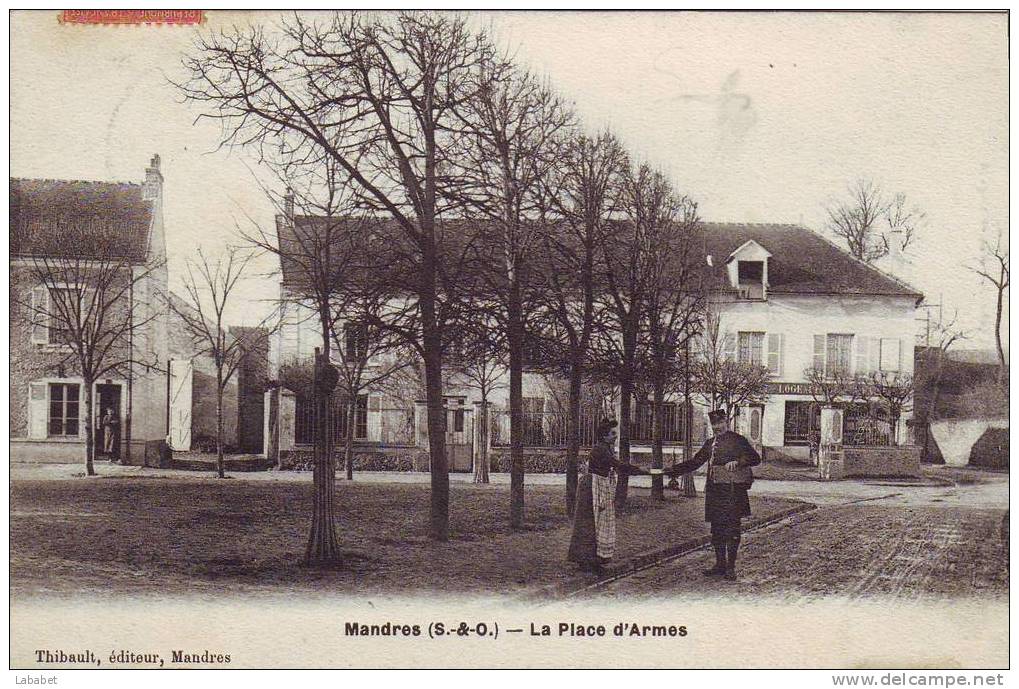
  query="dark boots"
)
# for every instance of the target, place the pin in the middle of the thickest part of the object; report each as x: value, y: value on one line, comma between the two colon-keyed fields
x: 719, y: 568
x: 732, y: 547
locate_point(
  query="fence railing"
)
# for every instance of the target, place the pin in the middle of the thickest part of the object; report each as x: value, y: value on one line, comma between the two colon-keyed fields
x: 549, y: 429
x: 388, y: 426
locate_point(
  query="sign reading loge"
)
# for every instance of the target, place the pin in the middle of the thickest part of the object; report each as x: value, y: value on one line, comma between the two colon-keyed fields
x: 788, y: 388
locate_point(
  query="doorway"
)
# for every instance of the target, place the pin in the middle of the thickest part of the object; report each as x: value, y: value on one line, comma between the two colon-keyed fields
x: 107, y: 421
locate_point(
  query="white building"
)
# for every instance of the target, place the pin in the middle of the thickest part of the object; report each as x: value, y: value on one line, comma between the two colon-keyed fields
x: 786, y: 298
x: 791, y: 300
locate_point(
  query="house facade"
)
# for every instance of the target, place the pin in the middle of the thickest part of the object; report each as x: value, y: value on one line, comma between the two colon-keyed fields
x: 784, y: 298
x: 57, y: 229
x: 788, y: 299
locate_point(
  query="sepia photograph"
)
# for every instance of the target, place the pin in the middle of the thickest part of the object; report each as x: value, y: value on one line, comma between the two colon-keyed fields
x: 509, y: 339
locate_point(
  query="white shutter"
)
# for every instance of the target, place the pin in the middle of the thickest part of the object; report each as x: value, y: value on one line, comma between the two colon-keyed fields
x: 38, y: 318
x: 729, y: 347
x: 874, y: 347
x: 862, y: 354
x: 818, y: 364
x: 901, y: 367
x: 38, y: 405
x: 775, y: 353
x: 891, y: 354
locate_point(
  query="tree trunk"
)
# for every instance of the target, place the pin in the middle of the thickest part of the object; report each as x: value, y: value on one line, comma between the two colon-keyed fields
x: 997, y: 335
x: 89, y: 430
x: 323, y: 549
x: 625, y: 399
x: 348, y: 450
x: 516, y: 402
x: 573, y: 435
x: 220, y: 462
x: 481, y: 438
x: 657, y: 482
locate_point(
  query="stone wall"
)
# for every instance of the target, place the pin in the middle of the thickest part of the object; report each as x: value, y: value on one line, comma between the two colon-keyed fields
x: 903, y: 460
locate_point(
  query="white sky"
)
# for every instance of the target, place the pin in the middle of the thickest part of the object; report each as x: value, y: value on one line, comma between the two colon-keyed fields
x: 759, y: 117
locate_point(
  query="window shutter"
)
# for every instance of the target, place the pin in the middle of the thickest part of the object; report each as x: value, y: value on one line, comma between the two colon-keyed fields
x: 862, y: 354
x: 37, y: 408
x: 901, y: 370
x: 775, y: 353
x: 819, y: 353
x: 875, y: 353
x: 729, y: 347
x: 39, y: 318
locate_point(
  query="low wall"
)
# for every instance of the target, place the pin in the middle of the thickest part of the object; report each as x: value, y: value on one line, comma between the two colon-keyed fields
x: 956, y: 437
x: 390, y: 459
x: 903, y: 460
x: 65, y: 452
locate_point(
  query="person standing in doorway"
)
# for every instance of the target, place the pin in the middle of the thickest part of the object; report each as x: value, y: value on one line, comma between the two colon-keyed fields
x: 109, y: 423
x: 729, y: 457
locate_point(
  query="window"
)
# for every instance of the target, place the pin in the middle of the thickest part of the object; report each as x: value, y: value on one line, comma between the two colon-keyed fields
x: 64, y: 418
x: 751, y: 279
x: 456, y: 412
x: 890, y: 354
x: 751, y: 348
x: 838, y: 354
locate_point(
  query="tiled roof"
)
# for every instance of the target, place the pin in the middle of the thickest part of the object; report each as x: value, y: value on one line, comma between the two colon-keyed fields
x: 802, y: 261
x: 64, y: 218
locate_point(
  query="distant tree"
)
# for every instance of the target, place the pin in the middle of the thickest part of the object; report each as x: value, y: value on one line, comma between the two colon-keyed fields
x: 88, y: 302
x: 993, y: 268
x: 210, y: 287
x: 829, y: 388
x: 867, y: 220
x: 478, y: 362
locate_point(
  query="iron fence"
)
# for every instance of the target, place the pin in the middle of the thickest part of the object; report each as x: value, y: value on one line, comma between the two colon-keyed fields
x: 548, y: 429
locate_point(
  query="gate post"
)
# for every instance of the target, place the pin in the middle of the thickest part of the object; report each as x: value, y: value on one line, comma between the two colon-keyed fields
x: 830, y: 455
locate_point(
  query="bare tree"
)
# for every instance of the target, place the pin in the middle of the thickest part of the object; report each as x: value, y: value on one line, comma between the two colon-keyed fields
x: 366, y: 356
x: 868, y: 220
x: 508, y: 130
x: 674, y: 297
x: 630, y: 250
x: 373, y: 94
x: 930, y: 367
x: 893, y: 390
x: 479, y: 362
x: 578, y: 198
x: 831, y: 387
x: 993, y: 268
x: 208, y: 288
x: 318, y: 249
x: 721, y: 380
x: 85, y: 303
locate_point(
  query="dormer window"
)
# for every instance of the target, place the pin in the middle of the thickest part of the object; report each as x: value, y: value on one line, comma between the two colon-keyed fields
x: 751, y: 279
x: 748, y: 271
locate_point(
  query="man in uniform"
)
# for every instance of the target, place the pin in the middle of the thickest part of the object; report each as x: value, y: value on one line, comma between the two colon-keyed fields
x: 729, y: 457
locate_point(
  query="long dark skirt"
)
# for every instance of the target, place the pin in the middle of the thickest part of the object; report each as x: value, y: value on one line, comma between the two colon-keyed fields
x: 583, y: 542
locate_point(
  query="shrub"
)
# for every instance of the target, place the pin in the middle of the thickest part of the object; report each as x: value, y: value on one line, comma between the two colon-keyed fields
x: 991, y: 450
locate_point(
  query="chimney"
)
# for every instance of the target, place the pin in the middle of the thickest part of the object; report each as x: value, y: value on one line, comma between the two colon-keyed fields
x: 894, y: 250
x: 288, y: 205
x: 153, y: 187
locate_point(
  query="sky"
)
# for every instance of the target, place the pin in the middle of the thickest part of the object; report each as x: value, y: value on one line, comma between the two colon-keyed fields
x: 759, y: 117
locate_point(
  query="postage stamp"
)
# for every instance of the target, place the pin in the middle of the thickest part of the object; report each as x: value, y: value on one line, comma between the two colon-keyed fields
x: 178, y: 17
x: 510, y: 339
